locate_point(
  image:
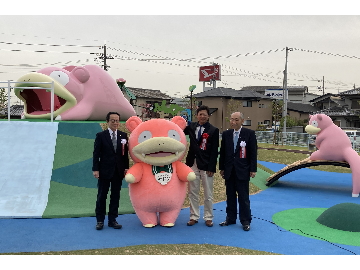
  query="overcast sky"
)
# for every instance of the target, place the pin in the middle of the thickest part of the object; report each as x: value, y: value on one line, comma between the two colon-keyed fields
x: 197, y: 40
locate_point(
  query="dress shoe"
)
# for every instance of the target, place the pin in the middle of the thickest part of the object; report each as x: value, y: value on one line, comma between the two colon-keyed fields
x: 246, y: 227
x: 226, y: 223
x: 114, y: 225
x: 209, y: 223
x: 192, y: 222
x: 99, y: 225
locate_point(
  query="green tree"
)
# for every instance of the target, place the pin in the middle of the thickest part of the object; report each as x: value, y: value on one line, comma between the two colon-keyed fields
x: 234, y: 105
x: 3, y: 101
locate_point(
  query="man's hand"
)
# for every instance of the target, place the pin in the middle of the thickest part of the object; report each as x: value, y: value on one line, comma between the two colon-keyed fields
x: 222, y: 173
x: 252, y: 174
x: 210, y: 174
x: 96, y: 174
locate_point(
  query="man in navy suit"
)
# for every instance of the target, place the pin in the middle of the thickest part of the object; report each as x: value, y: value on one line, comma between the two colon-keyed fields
x: 110, y: 164
x: 237, y: 163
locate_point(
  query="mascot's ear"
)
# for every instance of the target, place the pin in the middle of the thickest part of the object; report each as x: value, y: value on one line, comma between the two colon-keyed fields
x: 132, y: 123
x: 81, y: 74
x: 319, y: 116
x: 179, y: 121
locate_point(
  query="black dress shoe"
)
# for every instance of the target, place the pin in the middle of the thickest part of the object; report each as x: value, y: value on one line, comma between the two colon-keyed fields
x: 226, y: 223
x: 114, y: 225
x: 246, y: 227
x: 99, y: 225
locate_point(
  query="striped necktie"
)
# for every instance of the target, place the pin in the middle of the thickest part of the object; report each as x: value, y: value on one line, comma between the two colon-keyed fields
x: 113, y: 139
x: 236, y: 137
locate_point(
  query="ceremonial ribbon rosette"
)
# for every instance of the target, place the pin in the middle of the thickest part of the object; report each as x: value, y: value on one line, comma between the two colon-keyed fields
x: 123, y: 142
x: 242, y: 149
x: 204, y: 138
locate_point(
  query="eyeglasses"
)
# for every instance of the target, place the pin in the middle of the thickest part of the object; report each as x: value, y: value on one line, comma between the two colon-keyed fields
x: 114, y: 121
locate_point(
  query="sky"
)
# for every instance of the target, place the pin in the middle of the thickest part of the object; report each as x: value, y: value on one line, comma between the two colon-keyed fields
x: 160, y: 49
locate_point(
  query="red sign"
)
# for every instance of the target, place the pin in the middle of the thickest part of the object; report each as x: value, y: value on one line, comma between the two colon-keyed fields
x: 209, y: 72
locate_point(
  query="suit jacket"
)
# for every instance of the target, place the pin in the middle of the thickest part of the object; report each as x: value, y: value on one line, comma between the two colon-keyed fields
x: 229, y: 160
x: 205, y: 159
x: 105, y: 159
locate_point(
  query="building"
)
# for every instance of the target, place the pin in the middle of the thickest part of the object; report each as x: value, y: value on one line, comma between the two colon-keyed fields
x: 343, y: 108
x: 15, y: 111
x: 296, y: 94
x: 144, y: 101
x: 257, y: 108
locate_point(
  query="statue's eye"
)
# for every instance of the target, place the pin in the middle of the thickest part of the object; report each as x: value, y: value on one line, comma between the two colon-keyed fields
x: 60, y: 76
x: 314, y: 123
x: 145, y: 135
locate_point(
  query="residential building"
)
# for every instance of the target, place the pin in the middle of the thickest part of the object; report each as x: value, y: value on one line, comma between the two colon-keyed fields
x: 257, y: 108
x: 296, y: 94
x: 145, y: 100
x: 343, y: 108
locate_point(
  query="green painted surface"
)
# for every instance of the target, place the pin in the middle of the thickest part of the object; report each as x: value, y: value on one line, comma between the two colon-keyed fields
x: 66, y: 201
x: 302, y: 221
x: 70, y: 150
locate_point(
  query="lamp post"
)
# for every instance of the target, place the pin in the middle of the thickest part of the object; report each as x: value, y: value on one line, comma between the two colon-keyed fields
x: 285, y: 94
x: 191, y: 89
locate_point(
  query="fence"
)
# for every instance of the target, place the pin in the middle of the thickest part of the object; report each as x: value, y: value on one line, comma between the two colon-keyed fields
x: 29, y: 85
x: 295, y: 139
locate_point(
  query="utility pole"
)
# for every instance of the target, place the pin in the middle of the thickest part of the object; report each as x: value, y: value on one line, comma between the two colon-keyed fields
x: 323, y: 86
x: 103, y: 56
x: 285, y: 94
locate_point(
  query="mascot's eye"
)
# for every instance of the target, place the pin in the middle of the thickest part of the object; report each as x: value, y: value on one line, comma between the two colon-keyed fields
x: 145, y: 135
x: 60, y: 77
x: 174, y: 134
x: 314, y: 123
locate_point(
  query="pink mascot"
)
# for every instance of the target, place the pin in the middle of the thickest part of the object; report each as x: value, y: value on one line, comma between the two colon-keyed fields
x: 158, y: 178
x: 334, y: 144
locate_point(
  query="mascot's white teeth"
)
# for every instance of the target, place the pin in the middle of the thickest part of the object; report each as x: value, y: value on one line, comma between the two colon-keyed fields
x: 143, y: 155
x: 177, y: 153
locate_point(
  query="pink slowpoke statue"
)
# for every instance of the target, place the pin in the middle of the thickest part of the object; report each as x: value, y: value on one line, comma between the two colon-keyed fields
x: 158, y: 178
x: 80, y: 93
x: 334, y: 144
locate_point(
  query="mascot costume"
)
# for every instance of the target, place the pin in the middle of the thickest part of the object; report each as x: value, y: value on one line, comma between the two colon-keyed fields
x: 334, y: 144
x: 157, y: 180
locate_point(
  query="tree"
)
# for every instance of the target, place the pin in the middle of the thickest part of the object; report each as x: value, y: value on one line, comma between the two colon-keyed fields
x: 233, y: 105
x: 3, y: 101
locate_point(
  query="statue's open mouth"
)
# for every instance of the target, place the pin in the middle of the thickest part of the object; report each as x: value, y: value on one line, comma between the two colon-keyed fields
x: 37, y: 100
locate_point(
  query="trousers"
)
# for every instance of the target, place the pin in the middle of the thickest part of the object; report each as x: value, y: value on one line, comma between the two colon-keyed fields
x: 194, y: 190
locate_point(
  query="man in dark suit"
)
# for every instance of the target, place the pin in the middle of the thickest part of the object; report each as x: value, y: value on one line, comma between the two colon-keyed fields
x: 110, y: 164
x: 237, y: 163
x: 202, y: 158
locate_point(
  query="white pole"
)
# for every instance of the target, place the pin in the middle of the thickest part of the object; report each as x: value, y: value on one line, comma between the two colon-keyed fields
x: 52, y: 101
x: 8, y: 100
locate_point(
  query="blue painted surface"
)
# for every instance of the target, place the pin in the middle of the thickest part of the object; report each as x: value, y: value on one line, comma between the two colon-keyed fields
x: 304, y: 188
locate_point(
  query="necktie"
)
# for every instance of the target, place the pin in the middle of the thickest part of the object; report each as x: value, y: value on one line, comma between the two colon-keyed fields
x: 236, y: 137
x: 199, y: 133
x: 114, y: 142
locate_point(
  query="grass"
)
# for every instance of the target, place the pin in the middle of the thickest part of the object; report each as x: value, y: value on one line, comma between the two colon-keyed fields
x: 181, y: 249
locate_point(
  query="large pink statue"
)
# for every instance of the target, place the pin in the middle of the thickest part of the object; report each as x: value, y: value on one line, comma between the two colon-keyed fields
x: 81, y: 93
x: 334, y: 144
x: 158, y: 178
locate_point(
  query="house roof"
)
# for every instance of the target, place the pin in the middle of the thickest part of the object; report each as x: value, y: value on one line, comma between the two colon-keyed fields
x: 322, y: 97
x: 299, y: 107
x: 337, y: 111
x: 15, y: 110
x: 263, y: 88
x: 231, y: 93
x: 148, y: 93
x: 355, y: 91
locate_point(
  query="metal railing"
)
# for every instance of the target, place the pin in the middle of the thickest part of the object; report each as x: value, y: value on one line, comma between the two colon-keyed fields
x: 9, y: 87
x: 295, y: 139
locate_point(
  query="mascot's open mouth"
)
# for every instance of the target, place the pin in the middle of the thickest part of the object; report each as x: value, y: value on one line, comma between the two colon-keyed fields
x: 37, y: 100
x: 161, y: 154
